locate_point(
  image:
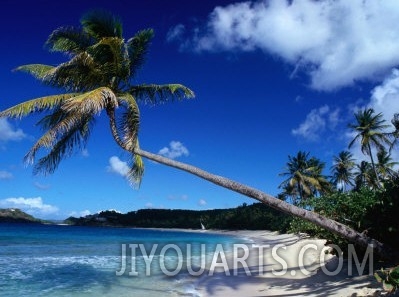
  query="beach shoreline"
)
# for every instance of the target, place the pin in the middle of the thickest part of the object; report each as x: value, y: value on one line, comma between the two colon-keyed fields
x: 309, y: 270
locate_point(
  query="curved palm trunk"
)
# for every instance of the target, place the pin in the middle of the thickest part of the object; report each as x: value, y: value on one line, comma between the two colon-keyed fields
x: 326, y: 223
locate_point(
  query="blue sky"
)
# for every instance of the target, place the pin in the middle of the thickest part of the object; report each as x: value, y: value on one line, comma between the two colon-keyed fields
x: 270, y: 77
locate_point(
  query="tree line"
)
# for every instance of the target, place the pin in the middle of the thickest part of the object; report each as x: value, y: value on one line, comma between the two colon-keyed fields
x: 363, y: 194
x: 256, y: 216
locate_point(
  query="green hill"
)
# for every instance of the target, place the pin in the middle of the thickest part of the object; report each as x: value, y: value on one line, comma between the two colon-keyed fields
x: 15, y: 215
x: 250, y: 217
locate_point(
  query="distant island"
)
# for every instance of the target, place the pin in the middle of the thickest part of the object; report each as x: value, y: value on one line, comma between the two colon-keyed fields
x: 249, y: 217
x: 15, y: 215
x: 256, y: 216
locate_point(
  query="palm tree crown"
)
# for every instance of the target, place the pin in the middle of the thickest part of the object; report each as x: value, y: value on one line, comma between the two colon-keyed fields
x: 98, y: 76
x: 304, y: 177
x: 370, y: 132
x: 342, y: 169
x: 385, y: 165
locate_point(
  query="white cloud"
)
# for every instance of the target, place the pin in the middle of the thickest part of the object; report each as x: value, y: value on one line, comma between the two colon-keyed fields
x: 118, y: 166
x: 335, y: 42
x: 176, y: 149
x: 149, y: 205
x: 175, y: 33
x: 41, y: 186
x: 316, y: 122
x: 5, y: 174
x: 202, y: 202
x: 9, y: 133
x: 79, y: 214
x: 384, y: 99
x: 33, y: 206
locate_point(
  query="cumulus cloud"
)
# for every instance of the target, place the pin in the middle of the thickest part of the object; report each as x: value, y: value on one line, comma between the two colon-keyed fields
x: 149, y: 205
x: 384, y: 99
x: 118, y: 166
x: 33, y: 206
x: 5, y: 174
x: 316, y: 122
x: 202, y: 202
x: 176, y: 33
x: 79, y: 214
x: 335, y: 42
x: 176, y: 149
x: 9, y: 133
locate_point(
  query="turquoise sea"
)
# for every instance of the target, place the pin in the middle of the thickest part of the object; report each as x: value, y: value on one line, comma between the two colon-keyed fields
x: 55, y: 260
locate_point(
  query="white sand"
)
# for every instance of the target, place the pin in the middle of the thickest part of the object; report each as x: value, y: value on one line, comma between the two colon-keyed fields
x: 265, y: 281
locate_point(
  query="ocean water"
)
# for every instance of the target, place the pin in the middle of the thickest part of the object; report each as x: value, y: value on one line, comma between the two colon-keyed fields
x: 55, y: 260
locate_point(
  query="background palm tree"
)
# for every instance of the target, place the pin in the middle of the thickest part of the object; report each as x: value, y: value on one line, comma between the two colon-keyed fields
x: 385, y: 165
x: 342, y: 170
x: 370, y: 132
x: 98, y: 76
x: 364, y: 175
x: 304, y: 176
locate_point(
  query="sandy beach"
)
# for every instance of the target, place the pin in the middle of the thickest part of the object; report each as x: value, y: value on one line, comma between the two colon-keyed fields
x: 287, y: 265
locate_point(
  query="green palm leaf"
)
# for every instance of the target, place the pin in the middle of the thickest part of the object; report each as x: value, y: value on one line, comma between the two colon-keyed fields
x: 130, y: 121
x: 74, y: 138
x: 136, y: 171
x: 80, y: 74
x: 101, y: 24
x: 69, y: 40
x: 160, y: 93
x: 35, y: 105
x: 137, y: 47
x: 37, y: 70
x: 91, y: 103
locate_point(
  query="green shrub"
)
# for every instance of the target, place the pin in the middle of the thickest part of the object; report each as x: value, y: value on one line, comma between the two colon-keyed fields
x: 389, y: 279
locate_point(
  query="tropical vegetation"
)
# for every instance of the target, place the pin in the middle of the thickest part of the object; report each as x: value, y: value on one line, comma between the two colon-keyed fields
x: 98, y: 76
x: 245, y: 217
x: 365, y: 195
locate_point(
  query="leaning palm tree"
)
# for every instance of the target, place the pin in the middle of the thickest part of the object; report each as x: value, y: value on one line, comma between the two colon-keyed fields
x: 342, y: 170
x: 370, y: 132
x: 304, y: 174
x: 99, y: 76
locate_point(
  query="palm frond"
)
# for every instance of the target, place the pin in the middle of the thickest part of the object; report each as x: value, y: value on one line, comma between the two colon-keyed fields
x: 36, y: 105
x: 99, y: 24
x: 69, y: 40
x: 76, y: 137
x: 111, y: 57
x: 81, y: 73
x: 136, y: 171
x: 152, y: 93
x: 130, y: 122
x: 50, y: 138
x: 38, y: 71
x: 137, y: 47
x: 91, y: 102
